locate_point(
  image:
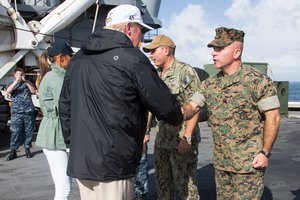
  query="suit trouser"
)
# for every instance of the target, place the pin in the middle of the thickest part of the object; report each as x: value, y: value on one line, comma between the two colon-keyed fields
x: 112, y: 190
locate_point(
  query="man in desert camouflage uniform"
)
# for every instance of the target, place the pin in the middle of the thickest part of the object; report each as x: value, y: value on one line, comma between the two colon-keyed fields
x: 244, y: 117
x: 176, y: 149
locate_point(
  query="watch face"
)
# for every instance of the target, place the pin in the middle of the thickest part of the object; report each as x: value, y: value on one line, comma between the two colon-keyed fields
x: 267, y: 154
x: 188, y: 139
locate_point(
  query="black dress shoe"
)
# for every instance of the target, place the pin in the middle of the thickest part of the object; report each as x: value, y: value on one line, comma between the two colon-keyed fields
x: 28, y: 153
x: 12, y: 155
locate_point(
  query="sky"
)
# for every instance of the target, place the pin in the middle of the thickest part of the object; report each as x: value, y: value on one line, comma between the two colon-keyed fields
x: 272, y: 31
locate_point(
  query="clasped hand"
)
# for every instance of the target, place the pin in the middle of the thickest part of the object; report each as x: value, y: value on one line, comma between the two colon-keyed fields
x: 183, y: 146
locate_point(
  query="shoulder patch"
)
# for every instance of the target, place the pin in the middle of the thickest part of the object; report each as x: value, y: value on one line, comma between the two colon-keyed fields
x: 187, y: 79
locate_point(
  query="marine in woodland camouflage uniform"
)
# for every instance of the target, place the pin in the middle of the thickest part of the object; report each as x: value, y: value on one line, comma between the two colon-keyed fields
x: 236, y: 105
x: 176, y: 170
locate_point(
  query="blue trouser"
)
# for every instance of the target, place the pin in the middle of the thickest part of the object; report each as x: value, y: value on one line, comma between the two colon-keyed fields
x: 21, y: 123
x: 141, y: 178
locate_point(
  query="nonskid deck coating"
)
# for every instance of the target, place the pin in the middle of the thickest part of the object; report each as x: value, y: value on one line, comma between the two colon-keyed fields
x: 30, y: 179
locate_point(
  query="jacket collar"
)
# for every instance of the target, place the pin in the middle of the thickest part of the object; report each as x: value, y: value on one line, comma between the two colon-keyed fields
x: 58, y: 69
x: 105, y: 40
x: 170, y: 72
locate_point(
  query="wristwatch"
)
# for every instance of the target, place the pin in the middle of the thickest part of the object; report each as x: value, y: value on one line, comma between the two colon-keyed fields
x: 267, y: 154
x: 188, y: 139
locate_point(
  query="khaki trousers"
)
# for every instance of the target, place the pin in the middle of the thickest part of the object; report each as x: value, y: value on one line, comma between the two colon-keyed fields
x: 112, y: 190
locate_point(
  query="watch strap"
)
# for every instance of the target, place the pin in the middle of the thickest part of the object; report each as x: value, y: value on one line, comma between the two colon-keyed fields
x: 267, y: 154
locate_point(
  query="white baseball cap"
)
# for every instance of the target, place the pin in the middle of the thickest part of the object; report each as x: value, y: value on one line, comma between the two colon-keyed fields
x: 125, y: 13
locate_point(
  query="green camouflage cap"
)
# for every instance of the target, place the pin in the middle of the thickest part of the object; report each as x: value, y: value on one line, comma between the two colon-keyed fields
x: 226, y: 36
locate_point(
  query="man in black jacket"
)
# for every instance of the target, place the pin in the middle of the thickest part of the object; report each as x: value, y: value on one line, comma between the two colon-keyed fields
x: 108, y: 89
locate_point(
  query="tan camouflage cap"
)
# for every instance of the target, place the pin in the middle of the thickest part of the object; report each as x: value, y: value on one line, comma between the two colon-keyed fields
x: 159, y: 40
x: 226, y: 36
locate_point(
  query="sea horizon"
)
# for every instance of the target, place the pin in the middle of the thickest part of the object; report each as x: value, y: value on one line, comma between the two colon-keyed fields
x: 294, y: 91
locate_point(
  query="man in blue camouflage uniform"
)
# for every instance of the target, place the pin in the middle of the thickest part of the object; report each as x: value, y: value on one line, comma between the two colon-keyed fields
x: 141, y: 178
x: 22, y: 113
x: 244, y: 117
x: 176, y: 148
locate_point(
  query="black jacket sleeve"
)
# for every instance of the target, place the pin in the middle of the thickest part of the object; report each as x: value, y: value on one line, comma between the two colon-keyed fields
x: 64, y: 107
x: 155, y: 94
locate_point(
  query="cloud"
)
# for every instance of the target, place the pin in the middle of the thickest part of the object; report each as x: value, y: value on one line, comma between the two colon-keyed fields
x: 238, y: 9
x: 272, y: 34
x: 188, y: 29
x: 272, y: 30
